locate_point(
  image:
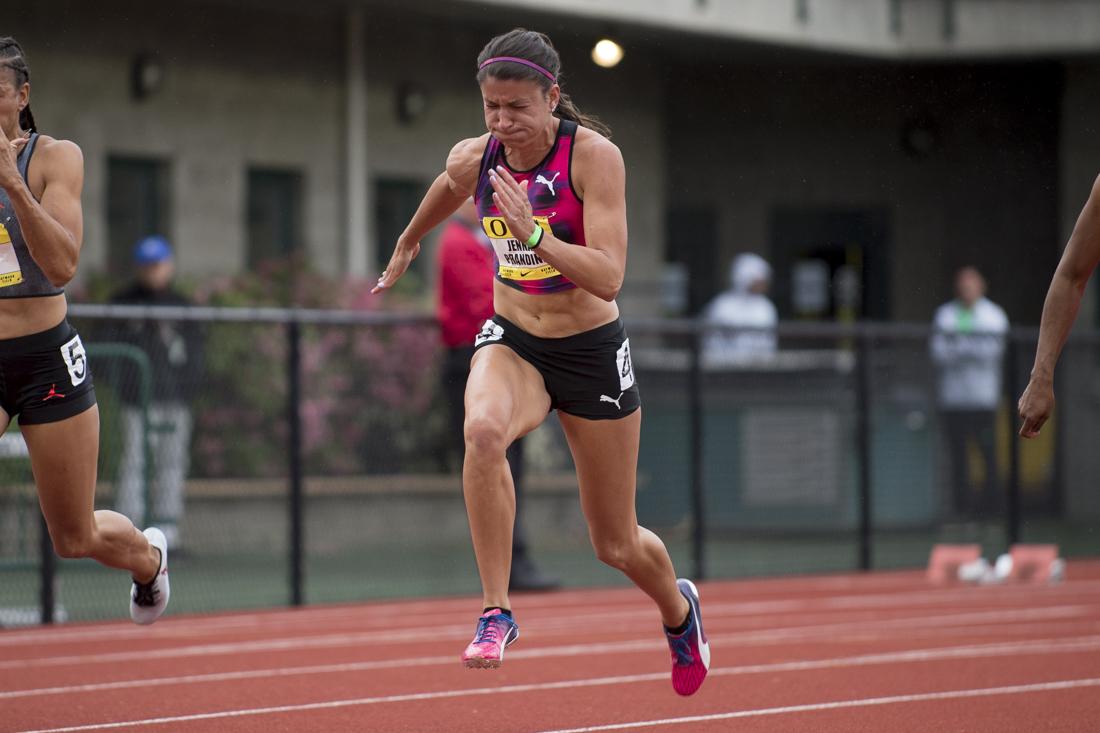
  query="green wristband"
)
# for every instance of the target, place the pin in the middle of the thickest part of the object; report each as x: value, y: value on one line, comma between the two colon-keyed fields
x: 535, y: 239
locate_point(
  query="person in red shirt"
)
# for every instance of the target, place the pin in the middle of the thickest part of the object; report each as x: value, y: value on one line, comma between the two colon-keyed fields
x: 465, y: 285
x: 465, y: 267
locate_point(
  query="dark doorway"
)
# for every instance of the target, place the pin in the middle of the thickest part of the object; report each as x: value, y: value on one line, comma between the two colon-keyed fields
x: 692, y: 240
x: 274, y: 214
x: 395, y: 202
x: 137, y: 205
x: 831, y: 263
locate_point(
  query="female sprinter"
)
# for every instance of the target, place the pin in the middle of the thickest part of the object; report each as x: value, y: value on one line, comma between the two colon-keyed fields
x: 44, y: 375
x: 550, y: 193
x: 1079, y: 260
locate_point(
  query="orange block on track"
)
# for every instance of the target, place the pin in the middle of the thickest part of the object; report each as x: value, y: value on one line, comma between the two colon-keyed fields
x: 944, y: 562
x: 1032, y: 563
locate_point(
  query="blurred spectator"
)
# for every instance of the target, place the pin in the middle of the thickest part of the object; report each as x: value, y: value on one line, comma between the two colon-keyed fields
x: 175, y: 353
x: 967, y: 348
x: 466, y: 265
x: 745, y: 305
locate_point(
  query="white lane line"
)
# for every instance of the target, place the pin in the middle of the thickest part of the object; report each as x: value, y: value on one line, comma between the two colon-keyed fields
x: 941, y: 622
x: 411, y: 697
x: 1003, y: 632
x: 762, y: 636
x: 972, y: 651
x: 384, y: 614
x: 840, y: 704
x: 935, y: 595
x: 320, y: 641
x: 568, y: 684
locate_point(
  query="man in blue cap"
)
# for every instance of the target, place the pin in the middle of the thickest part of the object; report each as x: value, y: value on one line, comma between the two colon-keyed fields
x: 174, y: 349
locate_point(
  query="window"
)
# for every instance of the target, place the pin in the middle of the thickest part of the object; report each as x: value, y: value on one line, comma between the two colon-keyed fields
x: 396, y: 200
x: 831, y: 263
x: 274, y: 214
x: 137, y: 205
x: 691, y: 240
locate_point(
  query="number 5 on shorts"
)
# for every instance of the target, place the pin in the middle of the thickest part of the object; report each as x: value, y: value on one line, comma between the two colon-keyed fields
x: 626, y: 368
x: 75, y: 359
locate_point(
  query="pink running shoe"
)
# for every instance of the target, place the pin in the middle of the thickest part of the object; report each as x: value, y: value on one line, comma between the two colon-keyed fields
x: 495, y: 631
x: 690, y: 650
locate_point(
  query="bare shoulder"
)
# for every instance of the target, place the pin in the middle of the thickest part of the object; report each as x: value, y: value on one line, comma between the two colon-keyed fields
x: 58, y: 163
x: 591, y: 144
x: 596, y: 160
x: 59, y: 152
x: 56, y: 160
x: 464, y: 163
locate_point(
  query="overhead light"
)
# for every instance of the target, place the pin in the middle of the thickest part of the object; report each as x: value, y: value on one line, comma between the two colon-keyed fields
x: 607, y: 53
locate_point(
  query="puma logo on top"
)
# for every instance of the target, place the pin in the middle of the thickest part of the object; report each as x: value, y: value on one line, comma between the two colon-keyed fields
x: 548, y: 183
x: 613, y: 400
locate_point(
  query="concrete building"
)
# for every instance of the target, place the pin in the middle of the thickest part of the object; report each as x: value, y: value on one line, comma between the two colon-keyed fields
x: 893, y: 139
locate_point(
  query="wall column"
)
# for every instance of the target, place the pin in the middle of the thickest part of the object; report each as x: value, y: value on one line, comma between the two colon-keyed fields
x: 360, y: 247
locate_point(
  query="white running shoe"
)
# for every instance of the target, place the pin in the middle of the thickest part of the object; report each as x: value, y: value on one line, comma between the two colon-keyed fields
x: 148, y: 600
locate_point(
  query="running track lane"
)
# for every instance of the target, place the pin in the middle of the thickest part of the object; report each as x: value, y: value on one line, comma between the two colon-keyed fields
x: 874, y: 652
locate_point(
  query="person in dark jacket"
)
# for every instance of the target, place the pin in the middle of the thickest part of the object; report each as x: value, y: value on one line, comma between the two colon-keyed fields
x: 175, y: 353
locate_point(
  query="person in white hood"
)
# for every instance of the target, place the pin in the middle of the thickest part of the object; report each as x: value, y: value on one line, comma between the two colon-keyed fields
x: 968, y: 348
x: 744, y: 305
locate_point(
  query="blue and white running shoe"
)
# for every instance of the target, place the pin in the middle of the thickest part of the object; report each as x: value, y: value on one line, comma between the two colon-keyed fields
x: 690, y: 650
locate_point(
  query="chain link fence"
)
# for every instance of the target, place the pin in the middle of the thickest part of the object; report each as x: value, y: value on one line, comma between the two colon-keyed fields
x: 307, y: 461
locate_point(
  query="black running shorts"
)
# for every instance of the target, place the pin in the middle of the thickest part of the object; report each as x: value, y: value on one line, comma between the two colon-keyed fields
x: 589, y: 374
x: 44, y: 377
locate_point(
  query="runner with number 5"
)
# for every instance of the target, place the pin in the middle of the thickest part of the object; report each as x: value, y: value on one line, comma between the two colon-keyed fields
x: 44, y: 375
x: 550, y: 192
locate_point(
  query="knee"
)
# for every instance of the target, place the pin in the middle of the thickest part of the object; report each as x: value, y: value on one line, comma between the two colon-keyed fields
x: 614, y: 551
x: 72, y: 544
x: 484, y: 435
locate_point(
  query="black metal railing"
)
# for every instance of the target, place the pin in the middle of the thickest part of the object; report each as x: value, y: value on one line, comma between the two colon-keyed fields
x: 863, y: 384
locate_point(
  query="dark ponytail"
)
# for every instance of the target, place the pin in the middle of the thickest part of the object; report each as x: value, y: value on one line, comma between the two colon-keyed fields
x: 536, y: 48
x: 12, y: 57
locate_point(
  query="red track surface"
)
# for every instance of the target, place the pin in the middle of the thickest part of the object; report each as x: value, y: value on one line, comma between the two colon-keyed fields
x: 881, y: 652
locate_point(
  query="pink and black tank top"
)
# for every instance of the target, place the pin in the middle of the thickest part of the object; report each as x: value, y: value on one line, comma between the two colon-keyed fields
x: 556, y: 207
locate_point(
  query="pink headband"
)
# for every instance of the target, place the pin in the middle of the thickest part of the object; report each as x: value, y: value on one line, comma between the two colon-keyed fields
x: 517, y: 60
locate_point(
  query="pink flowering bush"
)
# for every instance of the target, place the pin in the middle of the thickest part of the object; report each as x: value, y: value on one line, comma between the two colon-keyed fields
x: 369, y: 396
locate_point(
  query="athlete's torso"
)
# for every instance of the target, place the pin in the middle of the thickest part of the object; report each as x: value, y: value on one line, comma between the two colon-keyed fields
x: 558, y: 307
x: 20, y: 276
x: 29, y: 302
x: 555, y: 205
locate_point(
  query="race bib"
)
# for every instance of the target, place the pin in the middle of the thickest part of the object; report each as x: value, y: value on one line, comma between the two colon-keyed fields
x: 489, y: 332
x: 10, y: 274
x: 76, y: 360
x: 516, y: 260
x: 625, y: 366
